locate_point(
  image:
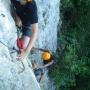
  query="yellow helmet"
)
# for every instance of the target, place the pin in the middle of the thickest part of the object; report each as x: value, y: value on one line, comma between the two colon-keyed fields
x: 46, y: 55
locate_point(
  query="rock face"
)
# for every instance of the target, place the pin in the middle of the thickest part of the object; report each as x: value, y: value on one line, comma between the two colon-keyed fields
x: 48, y: 12
x: 11, y: 75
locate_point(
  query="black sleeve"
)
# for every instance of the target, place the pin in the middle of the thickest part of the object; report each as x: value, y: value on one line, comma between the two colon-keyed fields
x: 33, y: 13
x: 15, y: 4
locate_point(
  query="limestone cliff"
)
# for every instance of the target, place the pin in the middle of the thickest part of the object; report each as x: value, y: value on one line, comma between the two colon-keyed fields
x: 11, y: 75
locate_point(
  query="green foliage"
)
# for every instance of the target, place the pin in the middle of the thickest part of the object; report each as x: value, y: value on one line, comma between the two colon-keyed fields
x: 73, y: 71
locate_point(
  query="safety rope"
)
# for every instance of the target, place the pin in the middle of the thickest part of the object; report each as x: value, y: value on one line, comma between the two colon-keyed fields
x: 13, y: 48
x: 20, y: 46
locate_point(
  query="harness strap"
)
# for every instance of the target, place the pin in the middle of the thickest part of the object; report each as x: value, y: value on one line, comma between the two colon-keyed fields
x: 19, y: 39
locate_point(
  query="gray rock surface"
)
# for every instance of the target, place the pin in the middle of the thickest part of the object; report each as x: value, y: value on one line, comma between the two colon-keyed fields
x: 11, y: 77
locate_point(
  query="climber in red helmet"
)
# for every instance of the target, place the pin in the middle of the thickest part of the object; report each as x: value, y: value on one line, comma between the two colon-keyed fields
x: 25, y: 16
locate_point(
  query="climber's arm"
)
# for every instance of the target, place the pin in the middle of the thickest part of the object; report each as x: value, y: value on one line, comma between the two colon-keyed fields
x: 47, y: 65
x: 24, y: 52
x: 33, y: 37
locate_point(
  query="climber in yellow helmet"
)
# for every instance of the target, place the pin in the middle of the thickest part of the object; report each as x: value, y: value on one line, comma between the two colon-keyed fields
x: 48, y: 60
x: 46, y: 56
x: 25, y: 16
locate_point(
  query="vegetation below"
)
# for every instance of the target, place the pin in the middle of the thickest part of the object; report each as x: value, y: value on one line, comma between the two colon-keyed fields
x: 72, y: 68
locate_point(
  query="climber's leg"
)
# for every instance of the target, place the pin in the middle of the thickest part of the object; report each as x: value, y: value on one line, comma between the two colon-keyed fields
x: 25, y: 41
x: 26, y: 35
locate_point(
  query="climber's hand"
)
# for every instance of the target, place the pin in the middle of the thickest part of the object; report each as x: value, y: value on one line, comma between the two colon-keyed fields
x: 22, y: 55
